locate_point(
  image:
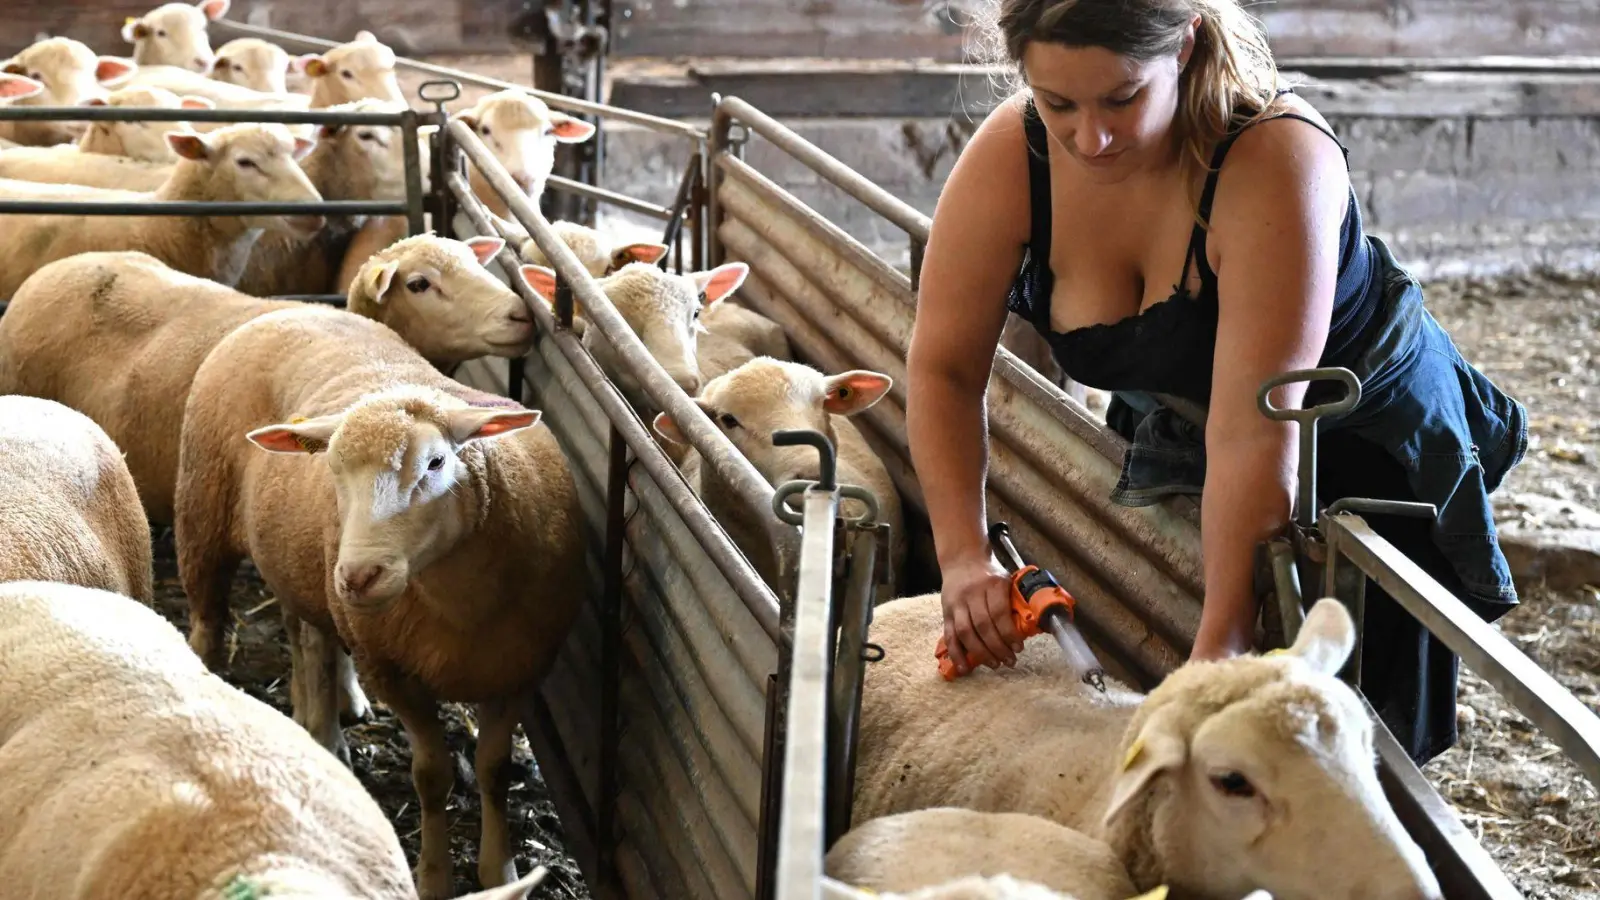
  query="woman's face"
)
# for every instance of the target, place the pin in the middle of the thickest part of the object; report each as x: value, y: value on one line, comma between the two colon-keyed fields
x: 1111, y: 112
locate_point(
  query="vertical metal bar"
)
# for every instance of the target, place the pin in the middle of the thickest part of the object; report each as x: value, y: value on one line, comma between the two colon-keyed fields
x: 721, y: 121
x: 697, y: 202
x: 1344, y: 580
x: 413, y: 161
x: 918, y: 247
x: 564, y: 302
x: 766, y: 842
x: 849, y: 675
x: 611, y: 655
x: 516, y: 377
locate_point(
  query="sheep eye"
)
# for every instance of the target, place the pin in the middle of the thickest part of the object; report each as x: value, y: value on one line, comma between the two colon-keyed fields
x: 161, y: 33
x: 246, y: 163
x: 1233, y: 784
x: 728, y: 421
x: 416, y: 284
x: 483, y: 130
x: 366, y: 136
x: 347, y: 74
x: 435, y: 464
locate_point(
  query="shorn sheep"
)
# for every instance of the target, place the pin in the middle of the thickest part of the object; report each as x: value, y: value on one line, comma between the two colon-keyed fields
x: 174, y: 34
x: 240, y: 162
x: 767, y: 395
x: 380, y: 519
x: 255, y: 64
x: 1251, y: 773
x: 930, y: 847
x: 119, y: 336
x: 128, y: 770
x: 69, y: 510
x: 71, y: 74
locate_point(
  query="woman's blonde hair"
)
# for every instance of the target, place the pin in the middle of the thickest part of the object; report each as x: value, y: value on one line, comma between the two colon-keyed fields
x: 1229, y: 81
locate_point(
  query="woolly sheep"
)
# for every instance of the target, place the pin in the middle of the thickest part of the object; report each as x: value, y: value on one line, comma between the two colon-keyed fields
x: 928, y: 847
x: 733, y: 336
x: 349, y: 162
x: 221, y: 93
x: 767, y: 395
x: 1255, y: 772
x: 69, y: 511
x: 600, y: 253
x: 119, y: 336
x: 131, y: 156
x: 977, y: 887
x: 356, y: 70
x: 662, y: 308
x: 15, y: 87
x: 245, y: 161
x: 71, y: 74
x: 174, y: 34
x: 381, y: 524
x: 522, y: 133
x: 255, y: 64
x: 142, y: 775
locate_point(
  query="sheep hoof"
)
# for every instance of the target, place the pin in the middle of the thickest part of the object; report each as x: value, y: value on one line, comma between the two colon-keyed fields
x: 433, y: 882
x: 354, y: 707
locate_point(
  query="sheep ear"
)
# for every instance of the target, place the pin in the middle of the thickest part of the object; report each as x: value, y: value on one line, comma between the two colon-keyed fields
x: 477, y: 423
x: 378, y: 279
x: 133, y: 30
x: 298, y: 436
x: 16, y: 86
x: 851, y: 392
x: 1157, y: 748
x: 485, y: 248
x: 300, y: 63
x: 543, y: 282
x: 516, y: 890
x: 214, y: 9
x: 668, y: 429
x: 568, y: 130
x: 1326, y: 638
x: 721, y: 281
x: 196, y: 103
x: 645, y: 253
x: 367, y: 36
x: 189, y: 146
x: 302, y: 147
x: 112, y: 68
x: 316, y: 66
x: 94, y: 101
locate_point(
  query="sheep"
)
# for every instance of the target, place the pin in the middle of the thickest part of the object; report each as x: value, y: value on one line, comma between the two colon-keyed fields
x: 375, y: 234
x: 766, y: 395
x: 174, y: 34
x: 15, y: 87
x: 394, y: 548
x: 1255, y: 772
x: 71, y: 74
x: 245, y: 161
x: 131, y: 156
x: 222, y: 94
x: 522, y: 133
x: 927, y: 847
x: 977, y: 887
x: 662, y: 308
x: 355, y: 70
x: 350, y: 162
x: 129, y: 770
x: 255, y: 64
x: 733, y: 336
x: 600, y: 253
x: 119, y: 336
x: 69, y: 510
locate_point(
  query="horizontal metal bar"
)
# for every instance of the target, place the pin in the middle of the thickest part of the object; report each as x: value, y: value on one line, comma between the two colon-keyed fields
x: 753, y: 592
x: 623, y: 201
x: 1557, y: 713
x: 201, y: 208
x: 302, y: 43
x: 829, y: 167
x: 227, y: 114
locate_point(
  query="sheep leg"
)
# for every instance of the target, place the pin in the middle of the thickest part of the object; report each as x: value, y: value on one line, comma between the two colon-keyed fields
x: 433, y: 775
x: 353, y: 703
x: 320, y: 686
x: 207, y: 572
x: 297, y: 663
x: 497, y: 862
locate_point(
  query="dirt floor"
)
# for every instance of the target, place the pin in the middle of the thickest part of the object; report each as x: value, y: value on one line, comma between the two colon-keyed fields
x: 378, y: 748
x: 1539, y: 339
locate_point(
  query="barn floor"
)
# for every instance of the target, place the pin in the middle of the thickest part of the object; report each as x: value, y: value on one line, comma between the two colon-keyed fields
x: 378, y: 747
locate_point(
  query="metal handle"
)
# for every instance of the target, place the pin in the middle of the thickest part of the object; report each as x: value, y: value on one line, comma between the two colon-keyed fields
x: 1305, y: 512
x: 795, y: 436
x: 1000, y: 540
x: 439, y: 96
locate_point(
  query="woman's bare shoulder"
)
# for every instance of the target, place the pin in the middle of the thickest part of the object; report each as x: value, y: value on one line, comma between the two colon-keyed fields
x: 986, y: 195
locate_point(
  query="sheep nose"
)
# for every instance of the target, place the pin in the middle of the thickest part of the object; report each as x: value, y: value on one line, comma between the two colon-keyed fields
x: 201, y: 64
x: 689, y: 383
x: 524, y: 181
x: 360, y: 579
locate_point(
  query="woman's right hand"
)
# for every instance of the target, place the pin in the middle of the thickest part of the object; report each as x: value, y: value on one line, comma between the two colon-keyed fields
x: 977, y: 614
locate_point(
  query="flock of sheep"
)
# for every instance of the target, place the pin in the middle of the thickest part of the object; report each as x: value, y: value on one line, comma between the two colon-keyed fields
x: 421, y: 539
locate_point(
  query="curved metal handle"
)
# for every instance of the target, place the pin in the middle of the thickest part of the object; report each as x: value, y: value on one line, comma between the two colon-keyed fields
x: 788, y: 489
x: 796, y: 436
x: 439, y: 96
x: 1344, y: 404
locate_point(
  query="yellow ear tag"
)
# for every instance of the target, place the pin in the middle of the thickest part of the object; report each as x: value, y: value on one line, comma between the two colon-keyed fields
x: 1276, y: 651
x: 376, y: 279
x: 1159, y: 893
x: 129, y: 20
x: 1134, y: 749
x: 297, y: 420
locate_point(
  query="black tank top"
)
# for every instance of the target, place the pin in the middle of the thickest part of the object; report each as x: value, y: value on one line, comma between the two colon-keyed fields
x: 1170, y: 347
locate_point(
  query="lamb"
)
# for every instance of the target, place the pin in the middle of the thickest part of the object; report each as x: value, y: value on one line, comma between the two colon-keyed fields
x: 255, y: 64
x: 350, y: 162
x: 662, y: 308
x: 119, y: 336
x: 767, y: 395
x: 522, y: 133
x: 733, y: 336
x: 395, y: 548
x: 355, y: 70
x: 1255, y: 772
x: 600, y: 253
x: 174, y: 34
x: 71, y: 74
x: 928, y: 847
x: 15, y: 87
x: 128, y: 770
x: 69, y: 511
x: 240, y: 162
x: 132, y: 156
x: 977, y: 887
x: 221, y: 93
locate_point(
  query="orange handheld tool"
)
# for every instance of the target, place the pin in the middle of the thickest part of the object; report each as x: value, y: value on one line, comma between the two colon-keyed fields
x: 1038, y: 603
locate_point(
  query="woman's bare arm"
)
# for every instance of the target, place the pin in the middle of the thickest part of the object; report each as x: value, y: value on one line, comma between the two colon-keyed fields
x: 1275, y: 232
x: 979, y: 229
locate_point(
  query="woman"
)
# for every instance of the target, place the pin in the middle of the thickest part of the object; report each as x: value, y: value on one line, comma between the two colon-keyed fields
x: 1173, y: 223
